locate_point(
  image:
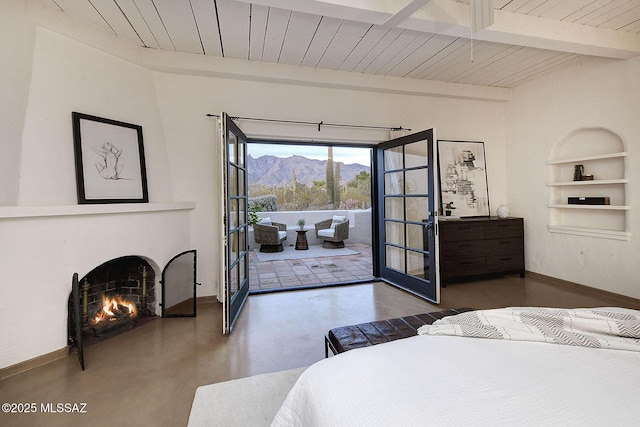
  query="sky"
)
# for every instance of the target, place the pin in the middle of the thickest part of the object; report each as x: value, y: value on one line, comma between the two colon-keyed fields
x: 346, y: 155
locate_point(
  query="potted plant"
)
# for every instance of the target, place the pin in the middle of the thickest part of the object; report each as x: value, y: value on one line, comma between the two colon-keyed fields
x: 448, y: 207
x: 301, y: 223
x: 253, y: 215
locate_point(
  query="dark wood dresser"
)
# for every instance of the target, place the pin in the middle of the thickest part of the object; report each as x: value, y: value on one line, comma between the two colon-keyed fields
x: 474, y: 247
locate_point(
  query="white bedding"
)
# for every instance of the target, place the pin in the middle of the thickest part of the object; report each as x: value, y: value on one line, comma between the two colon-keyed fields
x: 448, y: 381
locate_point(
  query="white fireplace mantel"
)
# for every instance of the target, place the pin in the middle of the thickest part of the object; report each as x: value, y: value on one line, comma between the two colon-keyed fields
x: 7, y: 212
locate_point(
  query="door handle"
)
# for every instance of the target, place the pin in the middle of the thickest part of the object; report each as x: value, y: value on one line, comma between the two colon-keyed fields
x: 429, y: 228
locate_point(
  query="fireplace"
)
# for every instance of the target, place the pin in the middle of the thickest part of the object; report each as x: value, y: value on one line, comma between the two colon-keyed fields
x: 121, y: 294
x: 111, y: 299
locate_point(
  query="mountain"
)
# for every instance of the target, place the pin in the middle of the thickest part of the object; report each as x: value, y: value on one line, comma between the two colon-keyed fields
x: 272, y: 170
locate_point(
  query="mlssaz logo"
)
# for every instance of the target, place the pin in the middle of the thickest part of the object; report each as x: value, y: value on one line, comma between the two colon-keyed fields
x: 67, y: 408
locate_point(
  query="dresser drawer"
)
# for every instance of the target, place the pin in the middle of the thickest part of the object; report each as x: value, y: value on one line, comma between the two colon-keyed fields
x: 504, y: 228
x: 463, y: 248
x: 456, y: 231
x: 457, y: 267
x: 500, y: 263
x: 510, y: 245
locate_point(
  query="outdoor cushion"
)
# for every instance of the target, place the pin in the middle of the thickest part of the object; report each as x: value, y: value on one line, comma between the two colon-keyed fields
x: 328, y: 232
x: 337, y: 219
x: 266, y: 220
x: 282, y: 234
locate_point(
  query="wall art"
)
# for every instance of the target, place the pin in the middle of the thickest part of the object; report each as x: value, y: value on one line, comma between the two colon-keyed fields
x: 110, y: 164
x: 463, y: 178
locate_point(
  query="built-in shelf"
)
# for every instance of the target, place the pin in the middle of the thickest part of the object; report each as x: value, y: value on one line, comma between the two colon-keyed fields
x: 591, y: 232
x: 592, y: 207
x: 7, y: 212
x: 588, y: 158
x: 608, y: 170
x: 594, y: 182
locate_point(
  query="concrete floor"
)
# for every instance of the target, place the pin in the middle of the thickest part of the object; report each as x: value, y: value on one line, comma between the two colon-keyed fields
x: 148, y: 376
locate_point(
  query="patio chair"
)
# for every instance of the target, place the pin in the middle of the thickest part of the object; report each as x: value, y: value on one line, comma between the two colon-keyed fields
x: 270, y: 235
x: 333, y: 232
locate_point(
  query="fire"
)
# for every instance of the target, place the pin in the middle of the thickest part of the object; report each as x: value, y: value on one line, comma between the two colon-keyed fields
x: 114, y: 308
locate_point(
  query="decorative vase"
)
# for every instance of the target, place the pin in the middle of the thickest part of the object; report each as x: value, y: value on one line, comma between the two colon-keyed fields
x: 503, y: 211
x: 578, y: 171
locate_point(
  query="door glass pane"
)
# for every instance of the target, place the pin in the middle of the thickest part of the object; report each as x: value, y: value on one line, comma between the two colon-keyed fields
x: 415, y: 264
x: 234, y: 248
x: 415, y: 154
x: 242, y: 237
x: 393, y: 158
x: 233, y: 280
x: 395, y: 258
x: 233, y: 213
x: 232, y: 147
x: 415, y: 236
x: 243, y: 213
x: 394, y: 208
x: 394, y: 233
x: 417, y: 208
x: 241, y: 150
x: 415, y: 182
x: 241, y: 270
x: 393, y: 183
x: 241, y: 178
x: 233, y: 180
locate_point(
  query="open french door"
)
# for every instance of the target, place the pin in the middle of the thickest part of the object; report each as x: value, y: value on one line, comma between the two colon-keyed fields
x: 406, y: 214
x: 235, y: 277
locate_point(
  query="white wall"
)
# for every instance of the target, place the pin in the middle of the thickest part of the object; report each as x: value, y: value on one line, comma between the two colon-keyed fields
x: 68, y: 76
x: 16, y: 51
x: 590, y: 94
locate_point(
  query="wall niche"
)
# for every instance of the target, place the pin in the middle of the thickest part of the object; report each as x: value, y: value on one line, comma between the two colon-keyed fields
x: 575, y: 204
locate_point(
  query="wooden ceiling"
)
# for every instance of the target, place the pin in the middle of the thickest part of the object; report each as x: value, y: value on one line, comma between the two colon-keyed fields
x: 415, y: 39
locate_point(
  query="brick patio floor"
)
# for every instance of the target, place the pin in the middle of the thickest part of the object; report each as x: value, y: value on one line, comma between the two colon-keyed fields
x: 292, y: 273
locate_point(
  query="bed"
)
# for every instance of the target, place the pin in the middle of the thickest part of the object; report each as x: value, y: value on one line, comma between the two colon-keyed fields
x: 512, y: 366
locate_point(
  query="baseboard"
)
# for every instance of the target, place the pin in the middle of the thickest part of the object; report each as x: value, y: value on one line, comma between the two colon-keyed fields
x: 33, y: 363
x: 625, y: 301
x: 207, y: 300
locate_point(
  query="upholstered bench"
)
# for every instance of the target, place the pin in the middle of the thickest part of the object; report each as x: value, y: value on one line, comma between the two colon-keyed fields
x: 347, y: 338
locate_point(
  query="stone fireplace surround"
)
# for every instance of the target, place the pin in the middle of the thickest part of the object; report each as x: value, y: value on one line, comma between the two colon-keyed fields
x: 41, y: 248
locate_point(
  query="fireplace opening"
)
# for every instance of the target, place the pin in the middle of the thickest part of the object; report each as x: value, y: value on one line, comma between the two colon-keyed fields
x: 113, y: 298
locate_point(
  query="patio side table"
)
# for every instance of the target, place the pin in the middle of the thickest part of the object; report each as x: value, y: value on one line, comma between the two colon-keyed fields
x: 301, y: 240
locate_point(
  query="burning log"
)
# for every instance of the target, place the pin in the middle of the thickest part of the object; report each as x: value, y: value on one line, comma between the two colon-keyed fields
x: 116, y: 311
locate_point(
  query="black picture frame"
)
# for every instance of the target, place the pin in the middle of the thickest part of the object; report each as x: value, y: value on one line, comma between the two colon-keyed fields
x: 110, y: 162
x: 462, y: 173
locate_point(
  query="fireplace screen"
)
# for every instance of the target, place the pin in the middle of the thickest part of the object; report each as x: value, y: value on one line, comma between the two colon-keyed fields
x: 179, y: 286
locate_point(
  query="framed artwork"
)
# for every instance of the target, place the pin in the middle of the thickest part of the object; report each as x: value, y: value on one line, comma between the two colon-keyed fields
x: 463, y: 178
x: 110, y: 166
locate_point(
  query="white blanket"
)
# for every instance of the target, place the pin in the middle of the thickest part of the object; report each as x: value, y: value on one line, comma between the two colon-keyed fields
x: 597, y: 328
x: 451, y: 381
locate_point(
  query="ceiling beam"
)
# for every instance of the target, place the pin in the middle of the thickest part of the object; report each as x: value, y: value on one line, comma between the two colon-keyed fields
x: 404, y: 13
x: 453, y: 18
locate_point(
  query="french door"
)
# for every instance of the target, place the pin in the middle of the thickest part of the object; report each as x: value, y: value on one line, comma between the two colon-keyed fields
x: 235, y: 277
x: 406, y: 214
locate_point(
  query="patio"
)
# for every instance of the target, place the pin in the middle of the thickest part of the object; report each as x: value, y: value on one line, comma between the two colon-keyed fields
x: 292, y: 273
